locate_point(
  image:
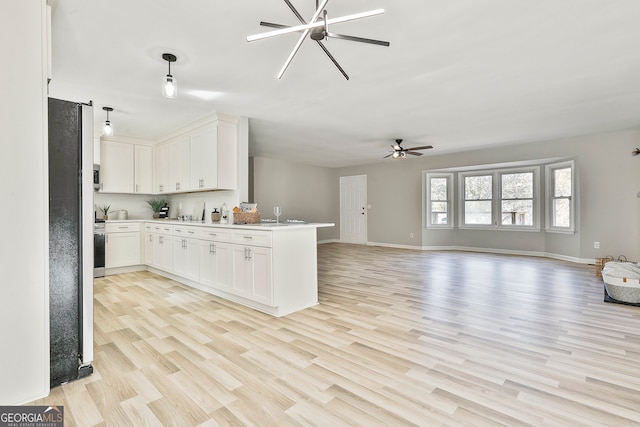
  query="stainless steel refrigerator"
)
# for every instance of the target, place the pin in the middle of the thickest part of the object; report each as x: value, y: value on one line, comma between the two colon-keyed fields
x: 70, y: 240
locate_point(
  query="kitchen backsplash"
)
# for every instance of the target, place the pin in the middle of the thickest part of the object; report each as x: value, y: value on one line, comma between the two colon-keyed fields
x: 137, y: 207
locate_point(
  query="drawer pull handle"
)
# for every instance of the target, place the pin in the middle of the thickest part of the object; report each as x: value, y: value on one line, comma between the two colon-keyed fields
x: 247, y: 237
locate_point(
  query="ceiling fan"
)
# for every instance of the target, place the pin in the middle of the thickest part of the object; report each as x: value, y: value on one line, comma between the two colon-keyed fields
x: 318, y: 30
x: 401, y: 153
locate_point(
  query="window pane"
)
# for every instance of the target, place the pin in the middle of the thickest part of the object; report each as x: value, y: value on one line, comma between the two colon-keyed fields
x: 477, y: 188
x: 561, y: 212
x: 477, y: 212
x: 517, y: 185
x: 517, y: 212
x: 438, y: 206
x: 562, y: 182
x: 438, y: 188
x: 439, y: 218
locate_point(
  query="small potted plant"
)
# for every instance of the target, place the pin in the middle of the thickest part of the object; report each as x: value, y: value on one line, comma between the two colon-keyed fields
x: 105, y: 211
x: 156, y: 206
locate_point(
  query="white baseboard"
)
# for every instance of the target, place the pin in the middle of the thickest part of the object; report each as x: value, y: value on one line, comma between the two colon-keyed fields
x: 482, y: 250
x: 322, y: 242
x: 392, y: 245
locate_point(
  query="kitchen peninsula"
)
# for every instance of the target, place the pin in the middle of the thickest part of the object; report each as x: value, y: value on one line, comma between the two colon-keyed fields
x: 269, y: 267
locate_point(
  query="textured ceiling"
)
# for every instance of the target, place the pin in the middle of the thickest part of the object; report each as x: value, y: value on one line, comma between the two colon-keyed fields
x: 458, y: 74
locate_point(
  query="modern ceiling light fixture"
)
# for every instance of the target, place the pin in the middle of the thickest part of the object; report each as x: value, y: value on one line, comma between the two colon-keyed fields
x: 169, y: 83
x: 318, y: 30
x: 107, y: 129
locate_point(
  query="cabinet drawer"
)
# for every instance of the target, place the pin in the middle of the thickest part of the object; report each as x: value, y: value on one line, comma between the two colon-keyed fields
x: 185, y: 231
x: 251, y: 237
x: 164, y: 229
x: 122, y: 227
x: 215, y: 234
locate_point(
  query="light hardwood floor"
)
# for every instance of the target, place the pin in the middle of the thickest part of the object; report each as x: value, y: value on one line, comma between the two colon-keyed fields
x: 400, y: 338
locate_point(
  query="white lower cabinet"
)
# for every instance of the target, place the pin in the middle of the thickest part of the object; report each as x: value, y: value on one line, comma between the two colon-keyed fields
x: 274, y: 272
x: 252, y: 273
x: 122, y: 245
x: 215, y: 265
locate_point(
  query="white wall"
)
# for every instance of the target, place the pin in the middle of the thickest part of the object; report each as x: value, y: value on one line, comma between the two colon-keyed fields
x: 608, y: 180
x: 303, y: 192
x: 24, y: 247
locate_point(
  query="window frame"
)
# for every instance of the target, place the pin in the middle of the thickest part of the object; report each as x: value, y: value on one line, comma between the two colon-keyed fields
x: 462, y: 198
x: 550, y: 197
x: 450, y: 198
x: 496, y: 199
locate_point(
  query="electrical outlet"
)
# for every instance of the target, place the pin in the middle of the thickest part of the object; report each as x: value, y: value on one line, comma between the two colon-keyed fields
x: 411, y: 235
x: 596, y: 245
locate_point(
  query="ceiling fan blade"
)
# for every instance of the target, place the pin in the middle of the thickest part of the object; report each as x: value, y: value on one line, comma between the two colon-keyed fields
x: 315, y: 24
x: 300, y: 40
x: 388, y: 155
x: 412, y: 153
x: 272, y: 25
x: 295, y: 11
x: 332, y: 59
x: 424, y: 147
x: 357, y: 39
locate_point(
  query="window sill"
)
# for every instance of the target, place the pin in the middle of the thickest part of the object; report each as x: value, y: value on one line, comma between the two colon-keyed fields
x: 492, y: 228
x: 559, y: 231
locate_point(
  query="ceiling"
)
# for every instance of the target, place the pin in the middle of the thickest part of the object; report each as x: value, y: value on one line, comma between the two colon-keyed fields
x: 459, y: 74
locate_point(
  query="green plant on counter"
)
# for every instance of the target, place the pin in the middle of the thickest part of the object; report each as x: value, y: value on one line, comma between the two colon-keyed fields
x: 157, y: 204
x: 104, y: 209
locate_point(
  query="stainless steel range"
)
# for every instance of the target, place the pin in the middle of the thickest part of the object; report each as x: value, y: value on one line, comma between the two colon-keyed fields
x: 98, y: 248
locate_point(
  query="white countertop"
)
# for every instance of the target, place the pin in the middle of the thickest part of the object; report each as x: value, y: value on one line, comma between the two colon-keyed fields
x: 261, y: 226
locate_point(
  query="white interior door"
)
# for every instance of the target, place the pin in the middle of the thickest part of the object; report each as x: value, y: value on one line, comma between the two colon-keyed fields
x: 353, y: 209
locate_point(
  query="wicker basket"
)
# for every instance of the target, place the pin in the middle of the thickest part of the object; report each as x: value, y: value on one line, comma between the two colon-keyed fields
x: 600, y: 262
x: 246, y: 217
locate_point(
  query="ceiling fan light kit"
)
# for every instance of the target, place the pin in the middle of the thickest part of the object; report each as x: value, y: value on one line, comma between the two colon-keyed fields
x: 318, y: 30
x: 169, y: 83
x: 401, y: 153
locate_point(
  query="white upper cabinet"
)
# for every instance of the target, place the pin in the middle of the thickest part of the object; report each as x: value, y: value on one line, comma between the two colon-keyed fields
x: 126, y: 167
x: 117, y: 165
x: 204, y: 164
x: 200, y: 158
x: 162, y: 169
x: 143, y: 169
x: 179, y: 165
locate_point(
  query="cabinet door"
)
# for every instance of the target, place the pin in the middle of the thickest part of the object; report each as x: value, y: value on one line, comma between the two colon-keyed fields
x: 240, y: 279
x: 251, y: 277
x: 179, y: 256
x: 162, y: 169
x: 158, y: 251
x: 149, y: 248
x: 143, y: 169
x: 167, y: 253
x: 215, y: 265
x: 204, y: 165
x: 116, y: 169
x: 179, y: 165
x: 227, y: 156
x: 260, y: 275
x: 122, y: 249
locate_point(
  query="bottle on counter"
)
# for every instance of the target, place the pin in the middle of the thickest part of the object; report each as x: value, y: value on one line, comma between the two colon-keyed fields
x: 224, y: 213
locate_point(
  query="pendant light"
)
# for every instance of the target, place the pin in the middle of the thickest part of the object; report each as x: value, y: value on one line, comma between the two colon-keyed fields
x: 107, y: 130
x: 169, y: 83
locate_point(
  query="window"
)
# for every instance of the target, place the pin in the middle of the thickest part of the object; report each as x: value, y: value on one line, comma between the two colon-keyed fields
x: 560, y: 185
x: 439, y: 212
x: 504, y: 199
x: 478, y: 194
x: 517, y: 198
